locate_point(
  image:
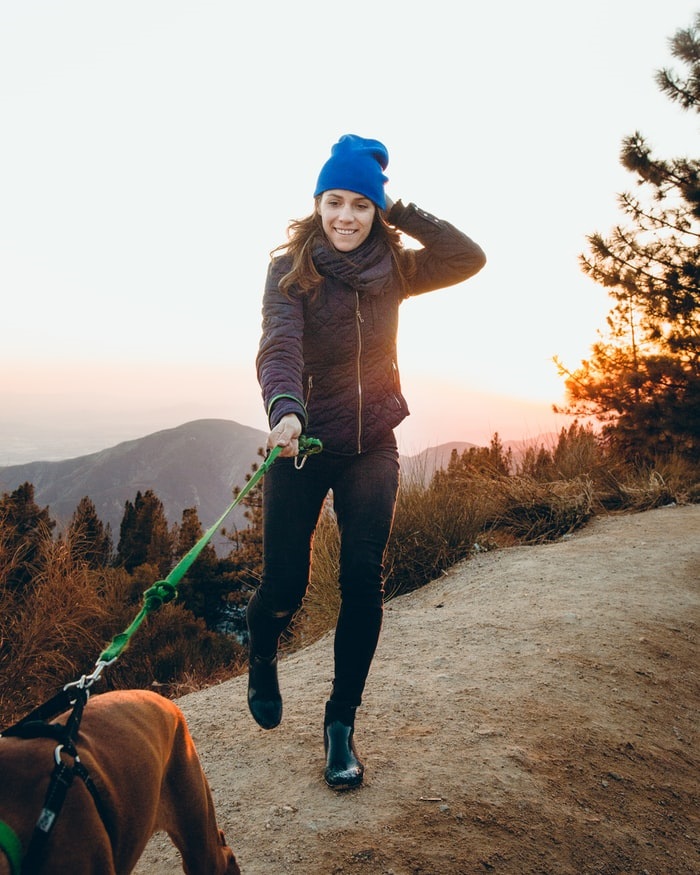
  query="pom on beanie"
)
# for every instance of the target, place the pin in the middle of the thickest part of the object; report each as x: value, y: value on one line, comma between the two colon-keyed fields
x: 356, y: 164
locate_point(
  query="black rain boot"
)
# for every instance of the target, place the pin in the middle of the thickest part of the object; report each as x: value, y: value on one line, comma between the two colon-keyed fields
x: 264, y: 630
x: 343, y: 770
x: 264, y: 699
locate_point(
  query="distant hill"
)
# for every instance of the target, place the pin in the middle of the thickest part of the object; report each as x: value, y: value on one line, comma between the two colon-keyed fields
x: 194, y: 465
x: 421, y: 467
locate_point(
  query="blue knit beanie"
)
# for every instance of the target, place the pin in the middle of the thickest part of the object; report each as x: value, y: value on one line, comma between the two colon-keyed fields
x: 356, y: 164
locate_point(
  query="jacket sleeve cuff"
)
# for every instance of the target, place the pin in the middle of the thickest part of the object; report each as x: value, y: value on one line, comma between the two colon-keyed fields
x: 397, y: 209
x: 281, y: 405
x: 401, y: 216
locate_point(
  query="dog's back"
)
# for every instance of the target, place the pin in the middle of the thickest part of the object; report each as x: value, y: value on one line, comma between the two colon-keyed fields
x: 139, y: 753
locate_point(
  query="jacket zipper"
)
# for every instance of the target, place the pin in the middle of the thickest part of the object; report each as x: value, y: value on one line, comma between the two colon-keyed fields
x: 359, y: 322
x: 396, y: 381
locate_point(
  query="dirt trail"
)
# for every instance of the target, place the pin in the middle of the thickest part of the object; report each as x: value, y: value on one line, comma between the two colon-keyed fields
x: 534, y: 711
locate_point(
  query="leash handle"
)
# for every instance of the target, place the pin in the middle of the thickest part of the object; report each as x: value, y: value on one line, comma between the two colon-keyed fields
x: 309, y: 446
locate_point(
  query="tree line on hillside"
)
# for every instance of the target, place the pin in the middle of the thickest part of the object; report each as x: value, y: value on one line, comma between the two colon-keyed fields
x: 147, y: 545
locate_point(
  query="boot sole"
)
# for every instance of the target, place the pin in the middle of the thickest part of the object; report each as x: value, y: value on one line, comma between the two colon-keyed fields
x: 344, y: 785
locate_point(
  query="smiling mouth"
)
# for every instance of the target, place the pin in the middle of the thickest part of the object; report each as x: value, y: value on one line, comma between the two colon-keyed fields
x: 345, y: 232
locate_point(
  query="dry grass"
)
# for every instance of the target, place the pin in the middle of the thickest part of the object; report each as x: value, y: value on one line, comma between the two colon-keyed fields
x: 49, y: 630
x: 434, y: 528
x: 322, y: 602
x: 53, y: 632
x: 533, y: 512
x: 669, y: 481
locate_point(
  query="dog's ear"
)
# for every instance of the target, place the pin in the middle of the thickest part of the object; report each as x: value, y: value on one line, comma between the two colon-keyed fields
x: 229, y: 856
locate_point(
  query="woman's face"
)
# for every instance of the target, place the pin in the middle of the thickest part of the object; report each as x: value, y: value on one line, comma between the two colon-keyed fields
x: 346, y: 218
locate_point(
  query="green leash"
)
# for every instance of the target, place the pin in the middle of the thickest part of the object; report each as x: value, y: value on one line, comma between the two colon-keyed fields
x: 166, y: 590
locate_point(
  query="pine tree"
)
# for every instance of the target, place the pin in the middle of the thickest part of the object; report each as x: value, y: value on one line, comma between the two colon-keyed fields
x: 90, y: 541
x: 245, y: 560
x: 144, y: 536
x: 492, y: 461
x: 642, y: 382
x: 203, y: 589
x: 242, y: 568
x: 24, y: 529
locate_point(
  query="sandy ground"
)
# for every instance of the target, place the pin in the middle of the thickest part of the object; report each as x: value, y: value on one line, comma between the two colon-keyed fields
x: 534, y: 711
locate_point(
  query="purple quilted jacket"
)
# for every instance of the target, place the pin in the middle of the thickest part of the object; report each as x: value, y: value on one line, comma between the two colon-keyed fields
x: 331, y: 358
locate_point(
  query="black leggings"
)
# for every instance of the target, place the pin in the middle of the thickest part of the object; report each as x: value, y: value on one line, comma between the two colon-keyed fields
x: 364, y: 497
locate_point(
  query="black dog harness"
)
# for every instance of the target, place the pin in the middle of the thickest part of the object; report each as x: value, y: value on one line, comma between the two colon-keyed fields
x: 36, y: 725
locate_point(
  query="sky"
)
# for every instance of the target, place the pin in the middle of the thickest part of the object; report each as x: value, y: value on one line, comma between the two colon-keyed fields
x: 154, y: 151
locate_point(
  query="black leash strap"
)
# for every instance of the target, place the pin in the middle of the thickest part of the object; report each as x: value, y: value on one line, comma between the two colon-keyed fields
x: 59, y: 703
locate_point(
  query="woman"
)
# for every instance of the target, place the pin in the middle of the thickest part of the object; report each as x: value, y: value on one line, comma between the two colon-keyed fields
x: 327, y: 367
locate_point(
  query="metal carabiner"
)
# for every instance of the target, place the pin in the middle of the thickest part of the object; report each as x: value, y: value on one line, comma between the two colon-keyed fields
x: 86, y: 681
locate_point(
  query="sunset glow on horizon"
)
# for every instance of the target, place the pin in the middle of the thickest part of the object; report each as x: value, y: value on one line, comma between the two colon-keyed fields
x: 147, y: 190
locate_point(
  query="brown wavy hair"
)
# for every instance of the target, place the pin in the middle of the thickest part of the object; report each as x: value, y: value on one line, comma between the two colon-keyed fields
x: 304, y: 234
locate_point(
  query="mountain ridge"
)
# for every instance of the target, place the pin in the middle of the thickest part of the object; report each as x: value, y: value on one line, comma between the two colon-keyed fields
x: 196, y: 464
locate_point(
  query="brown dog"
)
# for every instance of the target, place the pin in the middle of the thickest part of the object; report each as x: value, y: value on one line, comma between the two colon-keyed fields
x: 140, y: 755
